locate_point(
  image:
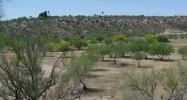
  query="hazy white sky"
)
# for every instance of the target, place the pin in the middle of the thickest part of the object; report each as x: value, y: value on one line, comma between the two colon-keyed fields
x: 20, y: 8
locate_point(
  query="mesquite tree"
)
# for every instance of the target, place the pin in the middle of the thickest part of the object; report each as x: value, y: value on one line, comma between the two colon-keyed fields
x: 162, y: 50
x: 22, y: 76
x: 138, y: 45
x: 182, y: 51
x: 118, y: 50
x: 138, y: 56
x: 79, y: 68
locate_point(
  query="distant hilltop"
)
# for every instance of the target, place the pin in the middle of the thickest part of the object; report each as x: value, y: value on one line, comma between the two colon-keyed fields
x: 85, y: 25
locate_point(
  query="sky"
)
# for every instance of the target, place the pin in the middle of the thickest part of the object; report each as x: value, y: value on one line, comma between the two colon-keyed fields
x: 25, y: 8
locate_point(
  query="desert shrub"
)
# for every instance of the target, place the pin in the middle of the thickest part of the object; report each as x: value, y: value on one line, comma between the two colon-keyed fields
x: 173, y: 81
x: 88, y: 37
x: 53, y: 38
x: 66, y: 38
x: 63, y: 47
x: 182, y: 51
x: 138, y: 56
x: 139, y: 85
x: 103, y: 50
x: 118, y: 49
x: 108, y: 41
x: 170, y: 36
x: 2, y: 42
x: 92, y: 49
x: 100, y: 37
x: 150, y: 38
x: 162, y: 38
x: 182, y: 36
x: 79, y: 43
x: 120, y: 38
x: 93, y: 41
x: 79, y: 68
x: 175, y: 36
x: 50, y: 46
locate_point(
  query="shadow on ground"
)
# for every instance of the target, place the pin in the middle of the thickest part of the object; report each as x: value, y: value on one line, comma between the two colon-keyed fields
x: 120, y: 65
x: 164, y: 60
x: 93, y: 76
x: 93, y: 90
x: 95, y: 70
x: 146, y: 67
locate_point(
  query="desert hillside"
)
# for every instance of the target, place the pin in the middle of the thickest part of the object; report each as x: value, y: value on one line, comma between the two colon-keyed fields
x: 84, y: 25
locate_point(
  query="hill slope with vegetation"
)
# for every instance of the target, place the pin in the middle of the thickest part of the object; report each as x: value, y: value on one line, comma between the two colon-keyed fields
x: 84, y: 25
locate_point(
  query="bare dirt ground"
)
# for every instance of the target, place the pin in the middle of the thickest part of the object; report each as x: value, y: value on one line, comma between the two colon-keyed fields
x: 173, y: 31
x: 104, y: 82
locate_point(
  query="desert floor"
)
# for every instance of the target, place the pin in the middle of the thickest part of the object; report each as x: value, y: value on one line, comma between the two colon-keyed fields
x: 104, y: 82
